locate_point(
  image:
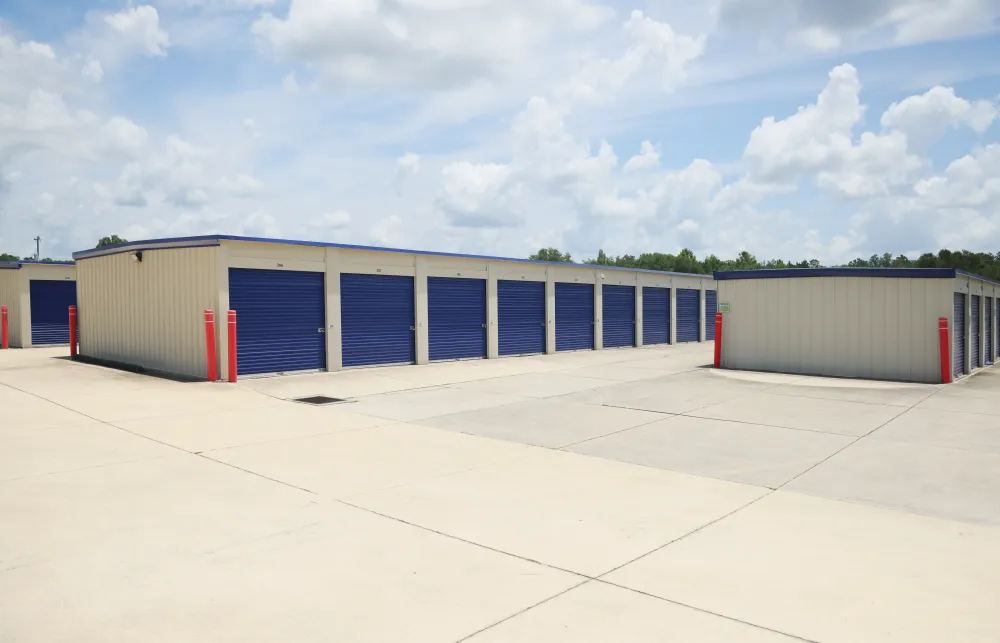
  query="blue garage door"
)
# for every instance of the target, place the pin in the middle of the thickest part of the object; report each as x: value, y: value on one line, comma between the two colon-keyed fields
x: 280, y: 320
x: 688, y: 305
x: 958, y: 334
x: 711, y: 307
x: 50, y: 302
x: 655, y: 315
x: 521, y: 317
x: 618, y: 316
x: 989, y: 330
x: 574, y: 317
x: 456, y: 317
x: 376, y: 318
x: 976, y: 326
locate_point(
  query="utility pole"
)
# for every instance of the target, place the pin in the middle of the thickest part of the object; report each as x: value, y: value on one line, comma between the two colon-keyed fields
x: 38, y: 248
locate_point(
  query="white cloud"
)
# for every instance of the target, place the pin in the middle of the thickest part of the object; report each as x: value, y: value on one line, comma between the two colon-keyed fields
x: 125, y: 134
x: 647, y: 158
x: 924, y: 118
x: 826, y: 26
x: 332, y: 220
x: 388, y: 232
x: 140, y: 27
x: 420, y: 44
x: 93, y: 71
x: 478, y: 195
x: 407, y: 165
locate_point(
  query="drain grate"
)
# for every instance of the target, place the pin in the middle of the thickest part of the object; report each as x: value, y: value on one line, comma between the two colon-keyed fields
x: 319, y: 400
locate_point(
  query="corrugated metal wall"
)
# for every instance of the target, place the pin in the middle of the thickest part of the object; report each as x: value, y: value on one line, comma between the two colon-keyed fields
x: 148, y: 313
x: 867, y: 327
x: 10, y: 296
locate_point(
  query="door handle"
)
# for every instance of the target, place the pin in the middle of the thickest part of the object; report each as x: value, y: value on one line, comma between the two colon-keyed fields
x: 484, y: 325
x: 413, y: 328
x: 320, y: 330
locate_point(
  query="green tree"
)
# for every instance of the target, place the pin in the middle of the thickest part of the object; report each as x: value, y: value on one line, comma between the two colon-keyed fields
x: 8, y: 257
x: 115, y: 240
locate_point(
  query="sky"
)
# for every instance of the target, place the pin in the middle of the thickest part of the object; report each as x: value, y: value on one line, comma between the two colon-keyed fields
x: 789, y: 128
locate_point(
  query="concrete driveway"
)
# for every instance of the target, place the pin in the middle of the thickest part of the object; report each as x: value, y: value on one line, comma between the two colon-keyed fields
x: 621, y: 495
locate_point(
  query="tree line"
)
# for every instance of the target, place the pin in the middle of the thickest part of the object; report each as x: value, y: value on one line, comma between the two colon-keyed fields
x: 111, y: 240
x: 981, y: 263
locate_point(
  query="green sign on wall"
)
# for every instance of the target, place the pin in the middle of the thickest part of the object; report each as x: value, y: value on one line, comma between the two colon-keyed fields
x: 723, y: 307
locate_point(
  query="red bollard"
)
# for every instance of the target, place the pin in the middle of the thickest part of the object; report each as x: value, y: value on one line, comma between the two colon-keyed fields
x: 72, y: 331
x: 232, y: 345
x: 945, y: 350
x: 210, y: 345
x: 718, y: 340
x: 3, y: 327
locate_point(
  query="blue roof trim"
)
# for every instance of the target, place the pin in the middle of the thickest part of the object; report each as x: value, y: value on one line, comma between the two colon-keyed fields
x: 790, y: 273
x: 972, y: 275
x: 16, y: 265
x: 214, y: 240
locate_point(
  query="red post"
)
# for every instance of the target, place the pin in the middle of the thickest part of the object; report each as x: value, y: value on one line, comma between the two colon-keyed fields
x: 72, y: 331
x: 210, y: 345
x: 718, y: 340
x: 945, y: 350
x: 232, y: 345
x: 3, y: 327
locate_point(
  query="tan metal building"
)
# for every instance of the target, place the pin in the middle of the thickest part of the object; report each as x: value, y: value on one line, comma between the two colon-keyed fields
x: 305, y: 306
x: 857, y: 322
x: 37, y: 296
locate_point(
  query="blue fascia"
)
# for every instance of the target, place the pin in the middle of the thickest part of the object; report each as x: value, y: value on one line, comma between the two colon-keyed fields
x: 886, y: 273
x: 215, y: 240
x: 16, y: 265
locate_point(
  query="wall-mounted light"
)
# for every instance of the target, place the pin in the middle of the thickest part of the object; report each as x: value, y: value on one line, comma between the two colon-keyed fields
x: 137, y: 256
x: 602, y: 275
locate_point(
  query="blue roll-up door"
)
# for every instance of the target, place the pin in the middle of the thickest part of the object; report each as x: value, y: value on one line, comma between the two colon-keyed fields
x: 688, y: 308
x: 50, y: 302
x: 976, y: 326
x: 711, y: 307
x: 377, y: 320
x: 521, y: 317
x: 574, y: 317
x: 618, y: 316
x: 958, y: 335
x: 655, y: 315
x: 989, y: 330
x: 456, y: 318
x: 280, y: 320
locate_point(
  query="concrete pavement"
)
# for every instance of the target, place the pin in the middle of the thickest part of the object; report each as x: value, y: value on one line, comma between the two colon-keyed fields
x: 628, y: 495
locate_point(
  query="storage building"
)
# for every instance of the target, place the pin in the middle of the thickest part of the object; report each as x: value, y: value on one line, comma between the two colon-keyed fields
x: 857, y: 322
x: 304, y: 306
x: 37, y: 296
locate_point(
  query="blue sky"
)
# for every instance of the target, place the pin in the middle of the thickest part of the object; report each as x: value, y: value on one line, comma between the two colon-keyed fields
x: 788, y: 128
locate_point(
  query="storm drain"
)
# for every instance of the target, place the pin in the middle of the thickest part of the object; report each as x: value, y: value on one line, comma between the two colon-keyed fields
x: 319, y: 400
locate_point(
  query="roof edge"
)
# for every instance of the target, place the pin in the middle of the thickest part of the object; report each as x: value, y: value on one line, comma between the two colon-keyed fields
x: 792, y: 273
x: 215, y: 240
x: 16, y: 265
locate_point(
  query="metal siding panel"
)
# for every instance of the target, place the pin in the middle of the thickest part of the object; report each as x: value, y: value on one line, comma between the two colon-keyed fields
x: 618, y: 315
x: 785, y: 348
x: 688, y: 303
x: 377, y: 316
x: 575, y: 316
x: 655, y: 315
x: 50, y: 302
x: 989, y: 329
x: 958, y: 332
x: 975, y: 327
x: 866, y: 313
x: 456, y: 317
x: 280, y: 320
x: 148, y: 313
x: 521, y: 317
x: 711, y: 307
